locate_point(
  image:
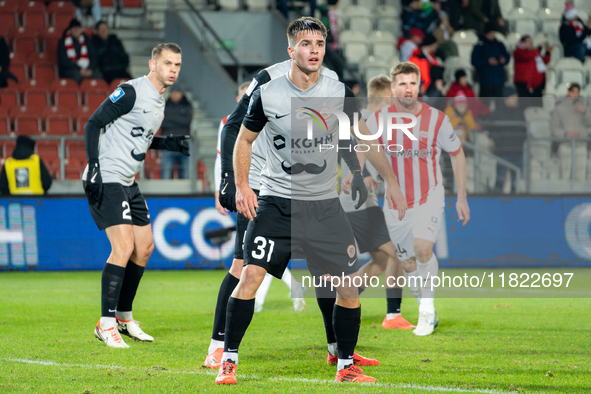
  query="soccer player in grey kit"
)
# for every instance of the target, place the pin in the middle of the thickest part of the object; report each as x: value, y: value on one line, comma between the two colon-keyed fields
x: 117, y: 137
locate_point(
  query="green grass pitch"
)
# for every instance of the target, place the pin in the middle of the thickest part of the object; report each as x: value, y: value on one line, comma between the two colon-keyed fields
x: 483, y: 345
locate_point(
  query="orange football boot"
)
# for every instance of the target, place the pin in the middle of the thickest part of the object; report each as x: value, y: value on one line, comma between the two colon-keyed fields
x: 398, y: 322
x: 214, y: 360
x: 353, y: 374
x: 357, y: 360
x: 227, y: 374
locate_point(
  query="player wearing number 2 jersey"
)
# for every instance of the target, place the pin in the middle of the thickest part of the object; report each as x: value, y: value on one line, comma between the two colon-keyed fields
x: 416, y: 164
x: 117, y: 137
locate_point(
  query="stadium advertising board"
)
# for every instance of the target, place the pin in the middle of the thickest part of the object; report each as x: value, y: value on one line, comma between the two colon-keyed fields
x: 59, y: 234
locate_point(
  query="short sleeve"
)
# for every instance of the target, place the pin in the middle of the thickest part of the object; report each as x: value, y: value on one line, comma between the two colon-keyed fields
x: 447, y: 138
x: 255, y: 118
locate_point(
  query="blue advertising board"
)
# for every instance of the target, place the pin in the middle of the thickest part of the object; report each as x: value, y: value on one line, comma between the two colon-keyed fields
x: 59, y: 234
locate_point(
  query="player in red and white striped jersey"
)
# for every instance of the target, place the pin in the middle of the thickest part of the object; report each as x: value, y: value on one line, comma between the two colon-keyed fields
x: 416, y: 165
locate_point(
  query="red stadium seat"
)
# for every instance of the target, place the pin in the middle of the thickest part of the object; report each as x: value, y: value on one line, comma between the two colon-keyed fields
x: 63, y: 84
x: 35, y: 18
x: 131, y: 3
x: 50, y: 48
x: 36, y: 99
x: 8, y: 19
x: 81, y: 122
x: 83, y: 113
x: 39, y: 57
x: 48, y: 149
x: 20, y: 71
x: 108, y: 3
x: 27, y: 125
x: 53, y: 110
x: 53, y: 166
x: 8, y: 5
x: 9, y: 98
x: 25, y: 44
x: 32, y: 84
x: 58, y: 124
x: 3, y: 111
x: 4, y: 125
x: 44, y: 72
x: 67, y: 98
x: 27, y: 5
x: 116, y: 82
x: 93, y: 84
x: 61, y: 20
x: 49, y: 32
x: 61, y: 6
x: 18, y: 58
x: 7, y: 147
x: 75, y: 150
x: 95, y: 98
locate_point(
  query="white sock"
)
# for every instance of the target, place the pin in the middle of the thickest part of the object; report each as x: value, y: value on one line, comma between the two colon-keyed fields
x: 108, y: 322
x: 415, y: 290
x: 332, y: 349
x: 125, y: 316
x: 428, y: 269
x: 344, y: 363
x: 214, y: 345
x: 263, y: 289
x: 287, y: 278
x: 232, y: 356
x: 390, y: 316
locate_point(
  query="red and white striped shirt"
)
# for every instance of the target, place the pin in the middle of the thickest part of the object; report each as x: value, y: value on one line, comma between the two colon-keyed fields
x: 417, y: 166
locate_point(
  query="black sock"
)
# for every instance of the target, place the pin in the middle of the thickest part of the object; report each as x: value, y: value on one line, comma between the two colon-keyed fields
x: 326, y: 299
x: 394, y: 299
x: 131, y: 281
x: 238, y: 319
x: 110, y: 288
x: 346, y: 324
x: 361, y: 290
x: 219, y: 321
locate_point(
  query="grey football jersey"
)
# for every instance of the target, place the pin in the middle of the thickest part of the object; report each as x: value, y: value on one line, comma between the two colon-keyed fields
x: 295, y: 165
x: 258, y: 149
x: 135, y: 111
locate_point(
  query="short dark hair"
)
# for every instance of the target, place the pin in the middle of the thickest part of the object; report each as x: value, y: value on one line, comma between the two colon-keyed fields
x: 524, y: 37
x: 306, y: 23
x: 573, y: 85
x: 169, y: 46
x: 99, y: 23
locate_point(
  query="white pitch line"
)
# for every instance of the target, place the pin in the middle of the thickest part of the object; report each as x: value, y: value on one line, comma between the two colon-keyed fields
x: 280, y: 379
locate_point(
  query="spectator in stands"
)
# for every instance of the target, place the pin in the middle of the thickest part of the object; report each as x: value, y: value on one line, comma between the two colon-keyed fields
x: 454, y: 9
x: 508, y: 140
x: 178, y: 114
x: 24, y: 172
x: 5, y: 73
x: 434, y: 94
x: 411, y: 44
x: 574, y: 34
x: 461, y: 118
x: 480, y: 13
x: 530, y: 67
x: 332, y: 57
x: 75, y: 53
x: 570, y: 118
x: 489, y: 57
x: 443, y: 34
x: 424, y: 58
x: 418, y: 14
x: 112, y: 58
x: 461, y: 85
x: 88, y: 7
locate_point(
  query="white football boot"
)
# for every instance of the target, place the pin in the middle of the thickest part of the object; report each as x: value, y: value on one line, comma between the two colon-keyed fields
x: 258, y: 307
x: 427, y: 324
x: 299, y: 303
x: 132, y: 329
x: 109, y: 336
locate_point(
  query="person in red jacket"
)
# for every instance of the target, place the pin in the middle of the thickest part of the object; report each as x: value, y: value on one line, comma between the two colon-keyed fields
x: 424, y: 58
x: 530, y: 67
x: 461, y: 85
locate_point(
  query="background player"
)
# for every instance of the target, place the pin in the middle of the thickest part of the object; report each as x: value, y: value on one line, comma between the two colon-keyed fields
x: 419, y: 175
x: 310, y: 195
x: 368, y: 223
x: 117, y: 137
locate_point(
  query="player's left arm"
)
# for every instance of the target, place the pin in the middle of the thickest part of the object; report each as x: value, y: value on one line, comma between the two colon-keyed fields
x: 450, y: 142
x: 377, y: 158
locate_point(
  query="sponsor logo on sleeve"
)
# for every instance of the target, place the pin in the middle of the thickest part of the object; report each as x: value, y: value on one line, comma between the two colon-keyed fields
x: 116, y: 95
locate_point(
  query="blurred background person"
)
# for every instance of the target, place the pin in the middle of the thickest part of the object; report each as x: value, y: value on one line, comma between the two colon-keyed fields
x: 76, y: 55
x: 111, y: 56
x: 479, y: 13
x: 571, y: 119
x: 443, y: 34
x: 24, y: 172
x: 530, y: 67
x: 411, y: 44
x: 574, y: 33
x: 489, y: 57
x: 88, y: 7
x: 424, y: 59
x: 178, y: 115
x: 461, y: 117
x: 5, y: 73
x: 419, y: 14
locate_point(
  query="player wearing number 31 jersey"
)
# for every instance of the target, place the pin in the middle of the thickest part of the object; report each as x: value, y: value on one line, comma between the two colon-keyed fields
x: 117, y: 137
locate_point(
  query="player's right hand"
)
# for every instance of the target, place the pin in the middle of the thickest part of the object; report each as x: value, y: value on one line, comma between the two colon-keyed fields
x: 246, y: 202
x: 228, y: 192
x: 394, y: 196
x: 94, y: 183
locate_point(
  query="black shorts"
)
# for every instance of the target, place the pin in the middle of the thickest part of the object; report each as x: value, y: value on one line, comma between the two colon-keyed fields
x: 120, y: 205
x: 369, y: 228
x: 241, y: 225
x: 318, y: 228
